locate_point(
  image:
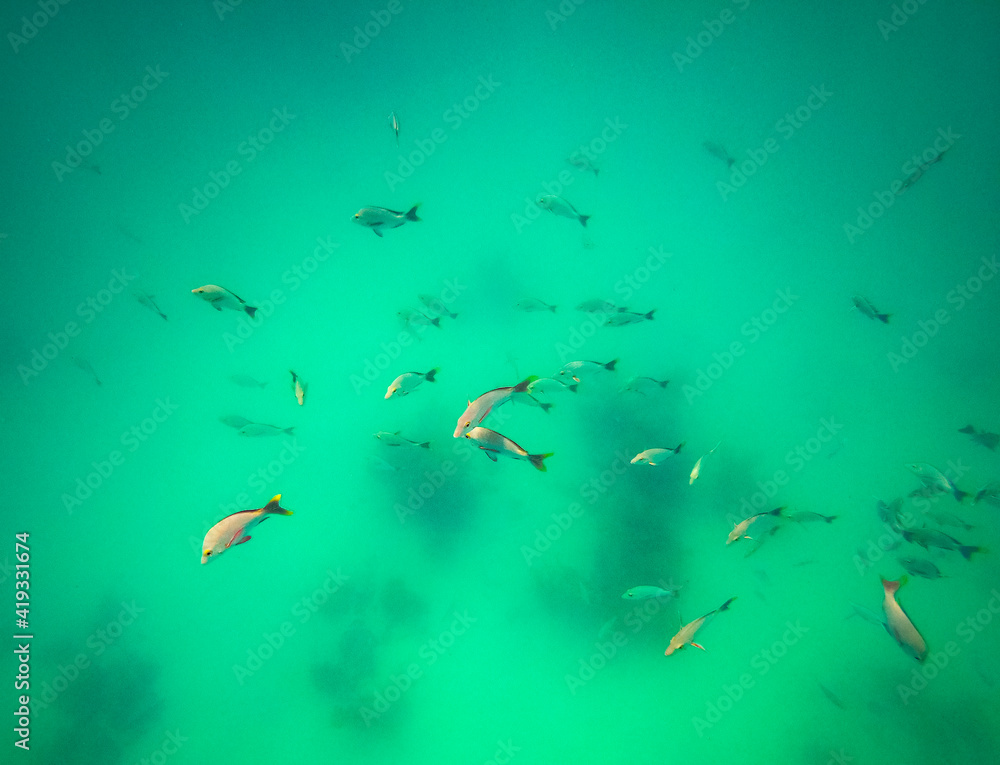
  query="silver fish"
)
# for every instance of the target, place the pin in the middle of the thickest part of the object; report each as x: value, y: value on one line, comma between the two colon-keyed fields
x: 394, y: 439
x: 645, y: 591
x: 576, y: 368
x: 495, y: 444
x: 623, y: 318
x: 545, y: 386
x: 411, y: 317
x: 531, y: 305
x: 380, y: 218
x: 644, y: 385
x: 596, y: 305
x: 256, y: 429
x: 807, y: 516
x: 235, y: 421
x: 930, y: 476
x: 864, y: 305
x: 436, y: 305
x: 920, y: 567
x: 560, y: 206
x: 928, y: 538
x: 219, y: 298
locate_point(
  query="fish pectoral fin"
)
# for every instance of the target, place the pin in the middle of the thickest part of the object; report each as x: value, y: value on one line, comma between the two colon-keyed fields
x: 376, y: 231
x: 489, y: 453
x: 245, y: 539
x: 698, y: 646
x: 216, y: 306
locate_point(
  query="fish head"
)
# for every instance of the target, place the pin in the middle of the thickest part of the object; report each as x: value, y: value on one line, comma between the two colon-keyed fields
x: 392, y: 389
x: 638, y: 459
x: 208, y: 554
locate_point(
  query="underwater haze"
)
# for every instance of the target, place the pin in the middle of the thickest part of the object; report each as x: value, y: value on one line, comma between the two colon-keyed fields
x: 768, y: 229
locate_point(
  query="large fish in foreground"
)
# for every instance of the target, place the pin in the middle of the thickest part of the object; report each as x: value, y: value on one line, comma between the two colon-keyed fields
x: 686, y: 633
x: 379, y: 218
x: 235, y: 529
x: 898, y: 624
x: 494, y: 444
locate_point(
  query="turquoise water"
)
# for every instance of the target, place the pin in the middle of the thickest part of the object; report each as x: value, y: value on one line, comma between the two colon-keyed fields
x: 426, y: 604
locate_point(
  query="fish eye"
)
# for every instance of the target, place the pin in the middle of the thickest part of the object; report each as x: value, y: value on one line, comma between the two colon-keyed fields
x: 207, y: 553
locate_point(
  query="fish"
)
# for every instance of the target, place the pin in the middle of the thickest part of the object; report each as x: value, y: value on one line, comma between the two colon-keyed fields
x: 931, y: 476
x: 583, y: 163
x: 235, y: 421
x: 255, y: 429
x: 379, y: 218
x: 686, y: 633
x: 696, y: 470
x: 150, y: 303
x: 807, y: 516
x: 394, y: 123
x: 219, y: 298
x: 394, y: 439
x: 477, y: 410
x: 408, y: 382
x: 643, y: 385
x: 246, y: 381
x: 411, y: 317
x: 719, y: 152
x: 864, y: 305
x: 624, y: 318
x: 299, y: 388
x: 926, y: 492
x: 989, y: 440
x: 866, y: 614
x: 576, y: 368
x: 645, y: 591
x: 494, y: 444
x: 531, y: 305
x: 833, y: 698
x: 990, y: 493
x: 523, y: 397
x: 920, y: 567
x: 942, y: 518
x: 740, y: 529
x: 83, y: 364
x: 928, y: 538
x: 898, y: 624
x: 596, y: 305
x: 560, y: 206
x: 235, y: 529
x: 437, y: 305
x: 889, y: 513
x: 654, y: 457
x: 546, y: 386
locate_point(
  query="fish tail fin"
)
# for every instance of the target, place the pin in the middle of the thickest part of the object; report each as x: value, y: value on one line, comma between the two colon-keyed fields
x: 663, y: 383
x: 430, y: 375
x: 776, y: 511
x: 583, y: 220
x: 574, y: 386
x: 891, y: 587
x: 425, y: 445
x: 610, y: 366
x: 545, y: 407
x: 725, y: 606
x: 274, y: 508
x: 959, y: 494
x: 967, y: 551
x: 829, y: 518
x: 411, y: 214
x: 251, y: 310
x: 522, y: 386
x: 596, y: 171
x: 538, y: 460
x: 884, y: 317
x: 649, y: 316
x: 553, y: 308
x: 678, y: 449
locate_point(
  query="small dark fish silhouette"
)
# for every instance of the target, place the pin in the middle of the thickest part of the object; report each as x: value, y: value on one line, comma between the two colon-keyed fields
x: 719, y: 152
x: 834, y: 699
x: 989, y: 440
x: 85, y: 366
